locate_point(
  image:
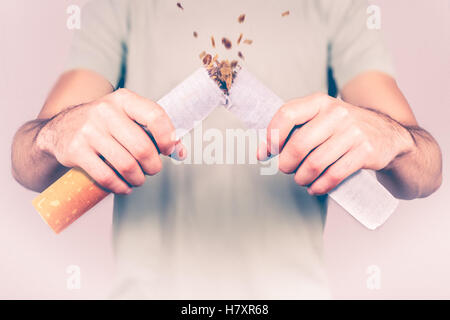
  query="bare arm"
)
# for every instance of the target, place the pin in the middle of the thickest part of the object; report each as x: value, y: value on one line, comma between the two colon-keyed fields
x: 413, y: 174
x: 84, y: 122
x: 373, y: 128
x: 33, y: 167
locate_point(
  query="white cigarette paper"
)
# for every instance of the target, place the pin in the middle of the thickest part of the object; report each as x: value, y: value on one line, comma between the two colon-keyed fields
x: 361, y: 194
x: 192, y: 101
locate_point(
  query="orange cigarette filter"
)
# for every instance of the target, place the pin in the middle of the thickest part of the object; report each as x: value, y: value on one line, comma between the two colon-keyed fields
x: 68, y: 198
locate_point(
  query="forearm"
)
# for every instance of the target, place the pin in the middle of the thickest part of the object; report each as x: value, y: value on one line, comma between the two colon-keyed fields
x: 32, y: 167
x: 417, y: 173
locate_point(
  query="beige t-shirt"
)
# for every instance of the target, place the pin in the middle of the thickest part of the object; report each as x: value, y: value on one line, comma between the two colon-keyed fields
x: 223, y: 231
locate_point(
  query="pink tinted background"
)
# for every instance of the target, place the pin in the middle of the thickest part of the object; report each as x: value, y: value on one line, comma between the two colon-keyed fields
x: 412, y: 250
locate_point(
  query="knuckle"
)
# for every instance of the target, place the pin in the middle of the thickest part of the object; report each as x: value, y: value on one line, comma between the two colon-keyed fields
x: 139, y: 181
x: 334, y: 178
x: 102, y: 107
x: 127, y: 166
x: 340, y: 110
x: 313, y: 166
x: 318, y: 190
x: 74, y: 147
x: 143, y: 152
x: 106, y: 180
x: 300, y: 178
x: 283, y: 166
x: 298, y: 152
x: 356, y: 132
x: 87, y: 131
x: 157, y: 113
x: 321, y: 98
x: 122, y: 92
x: 286, y: 112
x: 367, y: 148
x: 155, y: 167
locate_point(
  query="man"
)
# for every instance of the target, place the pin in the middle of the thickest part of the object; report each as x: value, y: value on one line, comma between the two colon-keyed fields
x: 225, y: 231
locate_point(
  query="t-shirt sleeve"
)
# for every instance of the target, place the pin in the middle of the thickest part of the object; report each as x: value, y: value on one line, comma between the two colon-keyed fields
x: 354, y: 47
x: 100, y: 43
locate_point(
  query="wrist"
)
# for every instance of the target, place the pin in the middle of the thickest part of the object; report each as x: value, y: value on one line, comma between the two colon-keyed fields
x: 405, y: 142
x: 44, y: 138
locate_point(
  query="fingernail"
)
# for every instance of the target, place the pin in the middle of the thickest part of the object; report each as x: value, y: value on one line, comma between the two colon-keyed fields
x: 178, y: 153
x: 274, y: 149
x: 172, y: 149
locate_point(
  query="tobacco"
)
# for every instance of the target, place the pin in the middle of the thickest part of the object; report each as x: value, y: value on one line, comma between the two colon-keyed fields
x: 240, y: 38
x: 180, y: 6
x: 222, y: 72
x: 226, y: 43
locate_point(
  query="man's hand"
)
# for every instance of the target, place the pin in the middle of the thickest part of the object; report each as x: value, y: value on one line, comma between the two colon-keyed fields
x: 106, y: 138
x: 324, y: 140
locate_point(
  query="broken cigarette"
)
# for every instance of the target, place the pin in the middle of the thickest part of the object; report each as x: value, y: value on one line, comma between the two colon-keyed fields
x: 75, y: 192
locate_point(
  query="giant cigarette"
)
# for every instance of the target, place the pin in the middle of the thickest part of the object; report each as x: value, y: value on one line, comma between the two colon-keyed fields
x: 191, y: 101
x: 75, y: 192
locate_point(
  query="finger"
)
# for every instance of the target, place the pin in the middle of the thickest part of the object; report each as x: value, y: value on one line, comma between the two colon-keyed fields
x: 119, y: 158
x: 262, y: 154
x: 152, y: 116
x: 325, y: 155
x: 348, y: 164
x: 293, y: 113
x: 180, y: 152
x: 98, y: 170
x: 308, y: 137
x: 137, y: 142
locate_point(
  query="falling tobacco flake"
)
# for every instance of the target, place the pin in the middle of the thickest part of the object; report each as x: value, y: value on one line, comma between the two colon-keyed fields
x: 226, y: 43
x: 248, y: 41
x: 195, y: 34
x: 240, y: 38
x: 285, y: 14
x: 222, y: 72
x: 241, y: 18
x: 207, y: 59
x: 240, y: 55
x: 213, y: 42
x: 180, y: 6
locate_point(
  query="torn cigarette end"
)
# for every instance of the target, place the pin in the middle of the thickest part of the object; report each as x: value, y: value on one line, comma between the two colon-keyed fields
x: 222, y: 72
